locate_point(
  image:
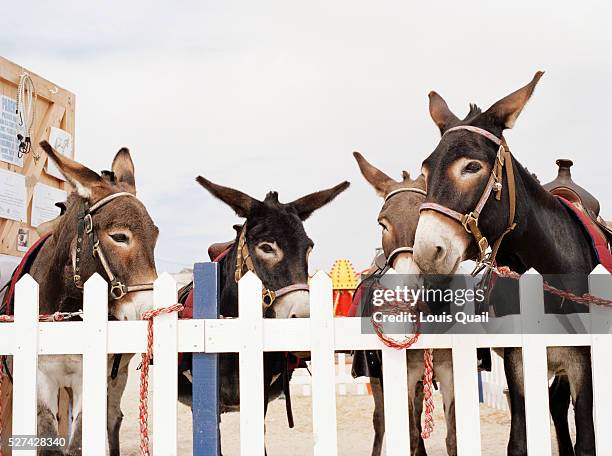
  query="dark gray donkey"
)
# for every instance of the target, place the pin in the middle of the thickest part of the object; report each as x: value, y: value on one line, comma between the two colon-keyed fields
x: 273, y: 244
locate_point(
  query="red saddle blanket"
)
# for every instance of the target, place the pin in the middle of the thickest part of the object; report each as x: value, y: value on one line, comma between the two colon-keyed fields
x: 24, y: 267
x: 598, y: 241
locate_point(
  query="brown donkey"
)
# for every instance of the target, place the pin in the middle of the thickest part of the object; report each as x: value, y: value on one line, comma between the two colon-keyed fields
x: 398, y: 219
x: 105, y: 230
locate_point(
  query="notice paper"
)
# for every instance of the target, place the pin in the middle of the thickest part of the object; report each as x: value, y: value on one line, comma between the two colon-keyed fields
x: 9, y: 145
x: 43, y: 203
x: 12, y: 196
x: 61, y: 141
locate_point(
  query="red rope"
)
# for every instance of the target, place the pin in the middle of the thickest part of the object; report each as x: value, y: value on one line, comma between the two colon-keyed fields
x: 586, y: 299
x: 143, y: 417
x: 408, y: 341
x: 428, y: 426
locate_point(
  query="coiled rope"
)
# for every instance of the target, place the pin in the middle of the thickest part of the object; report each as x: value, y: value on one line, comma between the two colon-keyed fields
x: 26, y: 114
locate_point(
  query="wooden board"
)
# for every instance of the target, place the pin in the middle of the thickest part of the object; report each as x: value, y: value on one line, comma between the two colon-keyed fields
x: 54, y: 108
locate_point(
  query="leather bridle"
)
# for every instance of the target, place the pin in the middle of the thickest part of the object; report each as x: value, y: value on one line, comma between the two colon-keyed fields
x: 469, y: 221
x: 407, y: 249
x: 86, y: 227
x: 244, y: 263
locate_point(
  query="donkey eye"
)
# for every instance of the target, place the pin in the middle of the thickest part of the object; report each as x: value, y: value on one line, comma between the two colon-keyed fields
x: 120, y: 238
x: 472, y: 167
x: 266, y: 248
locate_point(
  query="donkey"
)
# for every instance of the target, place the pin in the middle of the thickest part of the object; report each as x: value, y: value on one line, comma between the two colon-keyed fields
x: 464, y: 173
x: 273, y: 244
x: 398, y: 219
x: 104, y: 230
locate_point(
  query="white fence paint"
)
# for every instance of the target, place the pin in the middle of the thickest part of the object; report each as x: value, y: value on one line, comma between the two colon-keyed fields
x: 250, y: 335
x: 301, y: 382
x: 494, y: 384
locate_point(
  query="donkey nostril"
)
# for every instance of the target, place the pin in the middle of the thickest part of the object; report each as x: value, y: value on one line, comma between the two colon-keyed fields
x: 440, y: 251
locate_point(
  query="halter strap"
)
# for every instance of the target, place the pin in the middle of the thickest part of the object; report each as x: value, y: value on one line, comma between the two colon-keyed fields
x: 405, y: 189
x: 480, y: 131
x: 108, y: 199
x: 86, y: 227
x: 398, y: 251
x: 387, y: 197
x: 470, y: 220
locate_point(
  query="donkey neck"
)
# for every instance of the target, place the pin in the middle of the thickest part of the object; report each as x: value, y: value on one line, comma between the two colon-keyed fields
x: 546, y: 238
x: 229, y: 288
x: 52, y: 270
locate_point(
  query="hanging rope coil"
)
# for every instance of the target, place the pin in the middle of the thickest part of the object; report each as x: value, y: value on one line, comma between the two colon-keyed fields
x: 26, y: 114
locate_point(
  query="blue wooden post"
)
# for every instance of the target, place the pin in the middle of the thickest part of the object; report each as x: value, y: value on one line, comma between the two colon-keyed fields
x: 206, y: 435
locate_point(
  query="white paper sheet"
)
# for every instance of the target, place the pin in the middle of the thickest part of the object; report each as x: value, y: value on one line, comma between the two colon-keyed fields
x: 12, y: 196
x: 62, y: 142
x: 9, y: 145
x: 43, y: 203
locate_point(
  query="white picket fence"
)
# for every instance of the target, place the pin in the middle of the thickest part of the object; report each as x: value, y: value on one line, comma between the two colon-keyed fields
x: 494, y: 384
x: 321, y: 334
x: 301, y: 382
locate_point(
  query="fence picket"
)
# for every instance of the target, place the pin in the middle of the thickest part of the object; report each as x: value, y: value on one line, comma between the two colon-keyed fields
x: 25, y: 359
x: 95, y: 365
x: 601, y: 317
x: 322, y: 334
x: 535, y: 364
x: 205, y: 418
x: 165, y: 381
x: 465, y: 380
x: 322, y: 362
x: 251, y: 366
x: 396, y: 402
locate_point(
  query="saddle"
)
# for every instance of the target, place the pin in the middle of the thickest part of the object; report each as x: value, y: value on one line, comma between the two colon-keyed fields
x: 219, y: 248
x: 584, y: 208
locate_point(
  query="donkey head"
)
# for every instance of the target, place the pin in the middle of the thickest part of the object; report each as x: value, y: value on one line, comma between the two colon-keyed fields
x: 123, y: 228
x: 399, y: 215
x: 457, y: 172
x: 277, y: 243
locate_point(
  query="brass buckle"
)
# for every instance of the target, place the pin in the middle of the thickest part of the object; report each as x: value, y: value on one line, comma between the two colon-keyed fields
x: 483, y: 244
x: 96, y: 247
x: 77, y: 281
x: 466, y: 219
x: 117, y: 290
x: 267, y: 297
x: 88, y: 223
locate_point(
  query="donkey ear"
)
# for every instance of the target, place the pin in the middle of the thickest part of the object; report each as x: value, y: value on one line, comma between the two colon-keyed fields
x: 377, y: 179
x: 123, y: 168
x: 306, y: 205
x: 240, y: 202
x: 440, y: 113
x: 87, y: 183
x: 506, y: 110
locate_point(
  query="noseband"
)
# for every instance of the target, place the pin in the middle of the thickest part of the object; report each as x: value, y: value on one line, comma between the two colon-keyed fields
x: 118, y: 289
x: 245, y: 262
x: 401, y: 249
x: 469, y: 221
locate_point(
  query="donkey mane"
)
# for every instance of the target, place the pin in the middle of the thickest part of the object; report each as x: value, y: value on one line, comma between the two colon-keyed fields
x: 474, y: 111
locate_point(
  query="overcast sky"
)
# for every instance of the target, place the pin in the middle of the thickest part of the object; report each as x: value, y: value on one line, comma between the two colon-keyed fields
x: 276, y: 95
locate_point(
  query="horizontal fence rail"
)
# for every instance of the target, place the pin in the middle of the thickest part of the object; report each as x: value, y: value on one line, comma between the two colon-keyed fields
x: 250, y: 335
